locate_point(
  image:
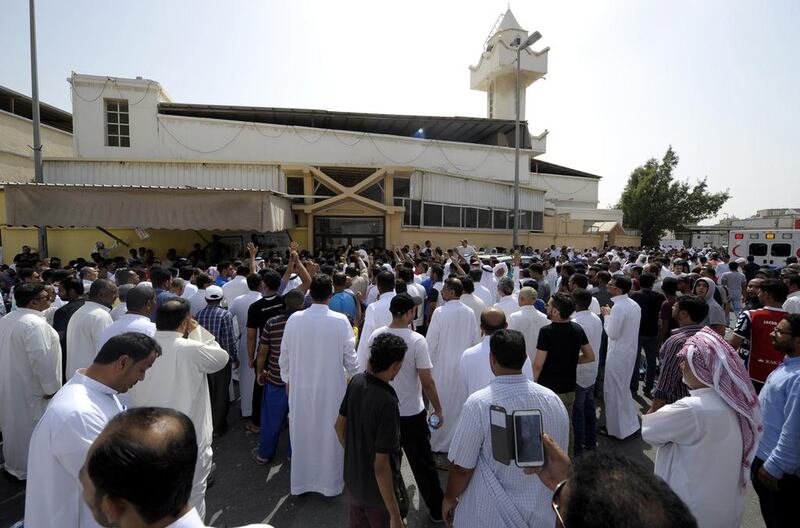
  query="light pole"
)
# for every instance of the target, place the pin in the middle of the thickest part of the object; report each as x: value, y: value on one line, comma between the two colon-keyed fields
x: 37, y: 141
x: 525, y: 45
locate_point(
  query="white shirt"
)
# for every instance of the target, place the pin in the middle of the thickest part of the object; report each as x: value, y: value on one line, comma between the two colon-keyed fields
x: 376, y: 316
x: 508, y: 305
x: 83, y: 334
x: 418, y: 292
x: 127, y: 323
x: 593, y: 328
x: 317, y: 353
x: 233, y: 288
x: 247, y: 375
x: 792, y: 303
x: 30, y: 369
x: 406, y: 383
x: 475, y: 304
x: 594, y: 306
x: 476, y: 371
x: 451, y: 332
x: 622, y: 327
x: 189, y: 290
x: 483, y: 293
x: 77, y: 414
x: 528, y: 320
x: 179, y: 378
x: 699, y: 455
x: 118, y: 311
x: 192, y: 520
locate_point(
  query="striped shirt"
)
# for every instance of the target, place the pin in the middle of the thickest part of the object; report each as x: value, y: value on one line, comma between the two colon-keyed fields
x: 271, y: 337
x: 500, y: 495
x: 670, y: 386
x: 219, y: 322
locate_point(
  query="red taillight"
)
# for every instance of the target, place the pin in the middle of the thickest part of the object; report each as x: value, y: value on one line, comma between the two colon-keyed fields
x: 738, y: 236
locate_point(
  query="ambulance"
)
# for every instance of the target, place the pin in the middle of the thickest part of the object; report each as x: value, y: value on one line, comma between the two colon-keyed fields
x: 769, y: 247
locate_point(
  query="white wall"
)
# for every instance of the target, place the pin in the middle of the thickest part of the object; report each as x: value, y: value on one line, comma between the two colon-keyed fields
x: 158, y: 137
x: 567, y: 191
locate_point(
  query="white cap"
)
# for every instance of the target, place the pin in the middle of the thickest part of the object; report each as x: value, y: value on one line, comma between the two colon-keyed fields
x: 213, y: 293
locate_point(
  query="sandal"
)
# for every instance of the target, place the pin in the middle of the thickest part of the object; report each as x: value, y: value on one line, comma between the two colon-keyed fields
x: 249, y: 428
x: 257, y: 459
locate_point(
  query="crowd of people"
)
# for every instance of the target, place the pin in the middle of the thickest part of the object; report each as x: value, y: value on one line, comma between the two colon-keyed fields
x: 117, y: 373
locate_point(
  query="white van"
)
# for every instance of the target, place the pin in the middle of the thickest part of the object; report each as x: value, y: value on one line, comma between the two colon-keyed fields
x: 768, y: 247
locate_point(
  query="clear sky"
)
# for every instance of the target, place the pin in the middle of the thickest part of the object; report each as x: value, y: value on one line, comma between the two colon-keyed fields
x: 718, y: 80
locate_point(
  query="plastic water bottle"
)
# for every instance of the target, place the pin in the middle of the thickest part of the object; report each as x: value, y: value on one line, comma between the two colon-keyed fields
x: 433, y: 422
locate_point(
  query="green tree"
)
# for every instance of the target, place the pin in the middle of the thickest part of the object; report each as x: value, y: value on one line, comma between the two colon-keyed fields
x: 653, y: 202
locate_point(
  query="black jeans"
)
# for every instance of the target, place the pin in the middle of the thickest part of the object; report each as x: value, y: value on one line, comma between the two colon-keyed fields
x: 650, y: 346
x: 415, y: 439
x: 779, y: 508
x: 218, y: 383
x: 258, y: 394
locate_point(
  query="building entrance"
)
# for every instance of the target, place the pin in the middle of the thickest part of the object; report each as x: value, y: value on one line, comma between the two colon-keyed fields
x: 331, y: 232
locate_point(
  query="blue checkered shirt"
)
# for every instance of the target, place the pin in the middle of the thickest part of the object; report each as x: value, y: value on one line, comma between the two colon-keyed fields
x: 220, y: 323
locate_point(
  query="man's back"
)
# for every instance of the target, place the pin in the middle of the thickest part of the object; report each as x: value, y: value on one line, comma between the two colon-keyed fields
x: 529, y: 321
x: 83, y: 334
x: 500, y: 495
x: 650, y: 302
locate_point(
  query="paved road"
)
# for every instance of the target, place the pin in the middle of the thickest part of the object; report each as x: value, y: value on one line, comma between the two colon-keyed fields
x: 244, y: 492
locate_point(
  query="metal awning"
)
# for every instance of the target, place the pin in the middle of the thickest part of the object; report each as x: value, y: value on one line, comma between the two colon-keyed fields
x: 118, y: 206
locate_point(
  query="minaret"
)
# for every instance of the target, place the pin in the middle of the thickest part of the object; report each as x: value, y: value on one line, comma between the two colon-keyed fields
x: 495, y: 73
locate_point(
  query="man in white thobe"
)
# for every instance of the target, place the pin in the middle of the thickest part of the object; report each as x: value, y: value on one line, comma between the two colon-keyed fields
x: 30, y: 373
x: 376, y: 316
x: 475, y: 369
x: 86, y: 325
x: 75, y: 417
x: 702, y: 451
x: 507, y: 301
x: 120, y: 309
x: 528, y: 320
x: 136, y: 319
x: 621, y: 324
x: 247, y: 374
x: 489, y: 282
x: 235, y: 287
x: 451, y: 332
x: 317, y: 355
x: 481, y: 292
x: 179, y: 380
x: 471, y: 300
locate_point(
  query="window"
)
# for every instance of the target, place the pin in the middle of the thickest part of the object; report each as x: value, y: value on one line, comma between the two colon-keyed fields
x: 118, y: 132
x: 374, y: 192
x: 433, y: 215
x: 757, y: 250
x: 402, y: 187
x: 322, y: 190
x: 490, y: 96
x: 500, y: 219
x: 452, y: 216
x: 412, y: 213
x: 470, y: 217
x: 781, y: 250
x: 484, y: 219
x: 525, y: 220
x: 537, y: 221
x: 294, y: 185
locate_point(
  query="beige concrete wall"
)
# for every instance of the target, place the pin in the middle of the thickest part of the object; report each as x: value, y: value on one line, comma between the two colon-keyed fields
x: 16, y: 158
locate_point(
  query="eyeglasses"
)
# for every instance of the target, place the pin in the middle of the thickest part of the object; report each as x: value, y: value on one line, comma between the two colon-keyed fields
x: 776, y: 331
x: 556, y: 502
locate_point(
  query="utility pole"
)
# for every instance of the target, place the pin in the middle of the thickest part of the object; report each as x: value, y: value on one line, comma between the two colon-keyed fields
x: 37, y: 140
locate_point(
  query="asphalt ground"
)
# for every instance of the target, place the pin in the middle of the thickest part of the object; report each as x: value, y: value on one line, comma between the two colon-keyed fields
x: 244, y: 492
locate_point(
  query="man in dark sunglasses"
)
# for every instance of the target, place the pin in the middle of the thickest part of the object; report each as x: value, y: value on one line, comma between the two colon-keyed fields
x: 602, y: 489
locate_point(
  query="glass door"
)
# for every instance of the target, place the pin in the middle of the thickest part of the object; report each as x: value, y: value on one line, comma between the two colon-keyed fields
x: 333, y: 232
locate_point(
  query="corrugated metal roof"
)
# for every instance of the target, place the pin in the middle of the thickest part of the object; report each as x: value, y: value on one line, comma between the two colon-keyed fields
x: 21, y: 105
x: 161, y: 187
x: 459, y: 129
x: 545, y: 167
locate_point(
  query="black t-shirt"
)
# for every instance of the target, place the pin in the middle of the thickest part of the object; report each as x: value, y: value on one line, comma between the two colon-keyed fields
x: 264, y: 309
x: 373, y: 426
x: 650, y: 302
x: 563, y: 342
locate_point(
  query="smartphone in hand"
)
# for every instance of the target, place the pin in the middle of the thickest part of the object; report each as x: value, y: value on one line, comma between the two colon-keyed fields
x: 529, y: 447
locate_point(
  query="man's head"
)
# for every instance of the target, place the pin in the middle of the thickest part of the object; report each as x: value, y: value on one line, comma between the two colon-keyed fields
x: 754, y: 288
x: 386, y: 355
x: 385, y: 281
x: 103, y: 291
x: 213, y: 295
x: 88, y: 273
x: 582, y: 299
x: 32, y: 295
x: 272, y: 281
x: 403, y: 308
x: 773, y: 292
x: 792, y: 282
x: 646, y: 281
x: 507, y: 352
x: 689, y: 309
x: 599, y: 493
x: 619, y: 286
x: 560, y: 307
x: 140, y: 469
x: 578, y: 280
x: 160, y: 278
x: 505, y: 286
x: 476, y: 274
x: 26, y: 275
x: 786, y: 336
x: 70, y: 289
x: 141, y: 300
x: 122, y: 292
x: 452, y: 289
x: 527, y: 296
x: 123, y: 360
x: 669, y: 286
x: 203, y: 281
x: 493, y: 320
x: 173, y: 315
x: 225, y: 269
x: 177, y: 286
x: 322, y: 288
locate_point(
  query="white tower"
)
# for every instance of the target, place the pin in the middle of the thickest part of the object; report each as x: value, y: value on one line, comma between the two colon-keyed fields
x: 495, y: 73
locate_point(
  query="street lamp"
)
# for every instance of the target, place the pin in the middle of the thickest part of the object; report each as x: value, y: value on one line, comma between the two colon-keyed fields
x: 525, y: 45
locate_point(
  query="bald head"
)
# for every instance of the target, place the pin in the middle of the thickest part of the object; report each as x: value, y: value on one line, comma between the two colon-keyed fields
x: 492, y: 320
